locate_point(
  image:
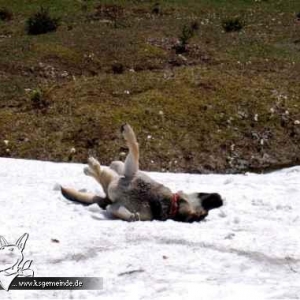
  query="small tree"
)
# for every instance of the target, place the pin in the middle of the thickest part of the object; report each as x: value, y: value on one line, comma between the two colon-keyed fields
x: 156, y: 9
x: 187, y: 32
x: 39, y: 99
x: 5, y: 14
x: 233, y: 24
x: 41, y: 22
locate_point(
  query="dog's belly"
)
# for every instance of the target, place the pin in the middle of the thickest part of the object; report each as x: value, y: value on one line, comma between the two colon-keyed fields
x: 137, y: 195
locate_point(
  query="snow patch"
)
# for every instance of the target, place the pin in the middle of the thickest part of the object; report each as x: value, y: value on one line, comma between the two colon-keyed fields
x: 248, y: 249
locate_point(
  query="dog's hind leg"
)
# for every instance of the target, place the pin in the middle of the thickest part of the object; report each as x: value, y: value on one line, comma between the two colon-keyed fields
x: 121, y: 212
x: 131, y: 165
x: 103, y: 175
x: 118, y: 166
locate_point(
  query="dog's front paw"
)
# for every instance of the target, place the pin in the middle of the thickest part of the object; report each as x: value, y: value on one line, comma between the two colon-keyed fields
x: 135, y: 217
x: 94, y: 165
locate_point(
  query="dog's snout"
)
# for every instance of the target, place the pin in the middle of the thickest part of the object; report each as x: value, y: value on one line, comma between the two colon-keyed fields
x: 211, y: 201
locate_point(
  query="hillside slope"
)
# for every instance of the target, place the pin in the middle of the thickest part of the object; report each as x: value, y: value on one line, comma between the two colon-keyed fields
x: 225, y: 102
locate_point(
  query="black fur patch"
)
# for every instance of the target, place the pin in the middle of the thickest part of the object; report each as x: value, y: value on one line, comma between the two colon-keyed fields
x: 102, y: 202
x: 160, y: 208
x: 210, y: 201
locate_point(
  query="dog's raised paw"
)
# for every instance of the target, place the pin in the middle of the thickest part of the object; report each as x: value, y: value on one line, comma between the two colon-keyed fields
x: 93, y: 163
x: 123, y: 127
x: 128, y: 133
x: 87, y: 171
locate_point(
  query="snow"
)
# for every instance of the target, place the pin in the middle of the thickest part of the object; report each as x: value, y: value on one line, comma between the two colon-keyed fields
x: 248, y: 249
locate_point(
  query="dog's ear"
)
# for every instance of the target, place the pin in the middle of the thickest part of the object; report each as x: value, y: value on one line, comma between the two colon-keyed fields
x: 3, y: 241
x: 210, y: 201
x: 22, y: 241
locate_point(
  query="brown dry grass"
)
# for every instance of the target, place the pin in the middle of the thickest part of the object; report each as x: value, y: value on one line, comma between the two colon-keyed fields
x: 230, y: 104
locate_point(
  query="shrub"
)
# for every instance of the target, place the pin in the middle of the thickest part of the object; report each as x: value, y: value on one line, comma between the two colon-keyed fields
x: 233, y: 24
x: 194, y: 26
x: 5, y: 14
x: 117, y: 68
x: 38, y: 99
x: 187, y: 32
x: 41, y: 22
x: 156, y: 9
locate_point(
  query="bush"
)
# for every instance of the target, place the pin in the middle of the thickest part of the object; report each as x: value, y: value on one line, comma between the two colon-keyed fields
x: 234, y: 24
x: 5, y: 14
x: 38, y: 99
x: 156, y: 9
x: 117, y: 68
x: 187, y: 32
x: 41, y: 22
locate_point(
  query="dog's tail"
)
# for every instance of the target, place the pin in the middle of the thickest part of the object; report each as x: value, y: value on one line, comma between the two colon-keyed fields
x: 84, y: 198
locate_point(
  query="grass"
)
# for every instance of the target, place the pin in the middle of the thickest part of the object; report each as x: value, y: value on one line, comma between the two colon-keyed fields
x: 228, y: 104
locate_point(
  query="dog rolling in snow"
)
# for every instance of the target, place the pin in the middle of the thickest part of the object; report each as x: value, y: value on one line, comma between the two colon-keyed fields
x: 132, y: 195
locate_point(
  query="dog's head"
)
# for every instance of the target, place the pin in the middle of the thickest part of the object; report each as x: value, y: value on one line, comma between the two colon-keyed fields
x: 195, y: 207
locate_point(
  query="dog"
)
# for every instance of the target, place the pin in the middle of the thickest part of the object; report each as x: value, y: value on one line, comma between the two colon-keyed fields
x: 132, y: 195
x: 11, y: 257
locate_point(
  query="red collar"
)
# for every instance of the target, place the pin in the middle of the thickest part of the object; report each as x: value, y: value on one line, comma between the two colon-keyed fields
x: 174, y: 205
